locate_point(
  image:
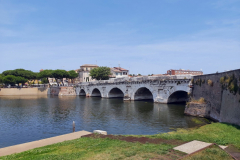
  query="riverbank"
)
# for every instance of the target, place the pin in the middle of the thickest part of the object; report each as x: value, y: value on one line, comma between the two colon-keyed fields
x: 106, y: 148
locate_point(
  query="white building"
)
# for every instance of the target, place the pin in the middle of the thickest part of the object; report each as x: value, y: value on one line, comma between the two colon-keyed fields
x: 84, y: 72
x: 119, y: 72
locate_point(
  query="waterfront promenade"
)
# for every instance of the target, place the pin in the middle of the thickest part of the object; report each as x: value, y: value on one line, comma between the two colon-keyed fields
x: 40, y: 143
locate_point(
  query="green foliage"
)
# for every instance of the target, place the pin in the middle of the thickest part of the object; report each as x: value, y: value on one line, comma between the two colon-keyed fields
x: 60, y: 74
x: 44, y: 81
x: 1, y: 78
x: 222, y: 80
x: 45, y: 74
x: 231, y: 83
x: 20, y: 80
x: 219, y: 133
x: 9, y: 79
x: 72, y: 74
x: 199, y: 82
x: 27, y: 74
x: 100, y: 73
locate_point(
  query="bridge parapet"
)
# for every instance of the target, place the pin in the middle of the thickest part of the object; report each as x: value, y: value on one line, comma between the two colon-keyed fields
x: 138, y: 79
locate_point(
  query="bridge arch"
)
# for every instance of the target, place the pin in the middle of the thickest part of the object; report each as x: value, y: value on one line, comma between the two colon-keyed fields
x: 115, y: 92
x: 143, y: 93
x: 82, y: 92
x: 96, y: 93
x: 178, y: 97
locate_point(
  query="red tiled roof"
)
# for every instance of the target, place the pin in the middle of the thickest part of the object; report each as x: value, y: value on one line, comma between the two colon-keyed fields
x: 118, y: 69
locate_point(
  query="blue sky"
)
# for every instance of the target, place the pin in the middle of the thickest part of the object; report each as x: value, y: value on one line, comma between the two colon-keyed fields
x: 144, y: 36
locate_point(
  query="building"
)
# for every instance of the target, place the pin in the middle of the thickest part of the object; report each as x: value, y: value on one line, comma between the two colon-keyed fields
x: 183, y: 72
x: 119, y: 72
x: 84, y: 72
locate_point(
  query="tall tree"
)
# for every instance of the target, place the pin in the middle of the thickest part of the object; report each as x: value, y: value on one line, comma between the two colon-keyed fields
x: 45, y: 74
x: 20, y: 80
x: 1, y: 77
x: 100, y: 73
x: 44, y: 81
x: 60, y: 74
x: 27, y: 74
x: 9, y: 79
x: 72, y: 74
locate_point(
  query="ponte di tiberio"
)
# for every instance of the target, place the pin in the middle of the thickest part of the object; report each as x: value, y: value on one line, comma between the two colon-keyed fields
x: 164, y: 89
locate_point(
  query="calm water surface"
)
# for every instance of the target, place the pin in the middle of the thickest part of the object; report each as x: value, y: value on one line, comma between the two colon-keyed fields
x: 28, y: 118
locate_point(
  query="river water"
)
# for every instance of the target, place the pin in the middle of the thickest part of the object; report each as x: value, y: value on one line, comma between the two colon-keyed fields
x: 28, y: 118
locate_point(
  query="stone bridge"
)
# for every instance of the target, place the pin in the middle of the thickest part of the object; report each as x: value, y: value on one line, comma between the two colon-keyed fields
x: 157, y: 89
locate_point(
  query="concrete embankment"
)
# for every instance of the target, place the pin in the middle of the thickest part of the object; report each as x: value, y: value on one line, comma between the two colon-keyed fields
x: 38, y: 91
x: 40, y: 143
x: 23, y: 91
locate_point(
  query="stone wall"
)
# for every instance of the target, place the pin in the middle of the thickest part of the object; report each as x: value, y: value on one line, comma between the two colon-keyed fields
x: 224, y: 105
x: 199, y: 110
x: 23, y: 91
x: 62, y: 91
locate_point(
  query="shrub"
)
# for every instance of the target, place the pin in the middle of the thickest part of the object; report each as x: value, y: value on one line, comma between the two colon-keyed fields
x: 210, y: 82
x: 200, y: 100
x: 233, y: 87
x: 222, y: 80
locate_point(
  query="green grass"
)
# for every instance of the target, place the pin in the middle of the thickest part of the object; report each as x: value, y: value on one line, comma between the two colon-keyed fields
x: 219, y: 133
x: 91, y: 148
x: 99, y: 148
x: 211, y: 153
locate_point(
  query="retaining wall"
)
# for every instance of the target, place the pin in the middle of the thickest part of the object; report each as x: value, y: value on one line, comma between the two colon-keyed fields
x: 62, y: 91
x: 23, y: 91
x: 224, y: 105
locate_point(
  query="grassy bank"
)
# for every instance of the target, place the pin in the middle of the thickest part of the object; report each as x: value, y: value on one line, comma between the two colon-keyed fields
x: 90, y: 148
x: 219, y: 133
x: 99, y: 148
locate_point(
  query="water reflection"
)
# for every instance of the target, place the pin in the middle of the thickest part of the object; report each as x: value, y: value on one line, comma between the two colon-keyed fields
x: 28, y: 118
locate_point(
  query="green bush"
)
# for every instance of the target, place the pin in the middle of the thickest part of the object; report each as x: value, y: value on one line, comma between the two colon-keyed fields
x: 222, y: 80
x: 210, y: 82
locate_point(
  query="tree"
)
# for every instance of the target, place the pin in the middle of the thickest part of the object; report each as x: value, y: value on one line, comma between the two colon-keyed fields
x: 20, y: 80
x: 27, y: 74
x: 44, y: 81
x: 60, y: 74
x: 72, y: 74
x: 100, y: 73
x: 1, y: 77
x: 45, y: 74
x: 9, y: 79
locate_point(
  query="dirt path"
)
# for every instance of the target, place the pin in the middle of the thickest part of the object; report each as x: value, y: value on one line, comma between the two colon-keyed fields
x: 171, y: 155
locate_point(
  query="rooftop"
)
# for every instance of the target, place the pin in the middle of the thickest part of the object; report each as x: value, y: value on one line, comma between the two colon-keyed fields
x: 118, y: 69
x: 89, y: 65
x: 183, y: 70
